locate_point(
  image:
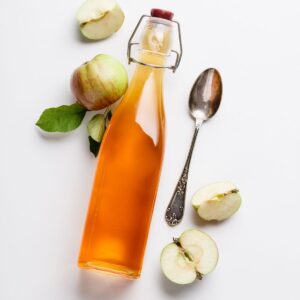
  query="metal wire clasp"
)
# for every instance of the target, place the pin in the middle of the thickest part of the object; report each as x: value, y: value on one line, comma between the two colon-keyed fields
x: 178, y: 55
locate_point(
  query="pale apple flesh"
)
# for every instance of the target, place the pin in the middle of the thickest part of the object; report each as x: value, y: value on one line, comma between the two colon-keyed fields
x: 193, y: 255
x: 202, y: 250
x: 99, y: 19
x: 176, y: 266
x: 217, y: 201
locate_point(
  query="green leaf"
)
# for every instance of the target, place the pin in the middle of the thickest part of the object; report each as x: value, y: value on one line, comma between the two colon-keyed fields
x: 62, y: 119
x: 94, y: 146
x: 96, y: 127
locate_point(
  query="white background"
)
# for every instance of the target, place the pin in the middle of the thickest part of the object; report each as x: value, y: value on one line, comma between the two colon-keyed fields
x: 254, y: 141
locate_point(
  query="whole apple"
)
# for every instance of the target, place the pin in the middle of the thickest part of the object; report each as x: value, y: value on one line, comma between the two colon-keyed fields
x: 99, y: 82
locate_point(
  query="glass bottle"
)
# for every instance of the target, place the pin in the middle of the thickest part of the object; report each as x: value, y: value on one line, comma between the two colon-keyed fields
x: 130, y: 161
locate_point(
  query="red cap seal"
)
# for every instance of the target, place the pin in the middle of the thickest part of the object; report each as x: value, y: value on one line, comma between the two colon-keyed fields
x: 161, y: 13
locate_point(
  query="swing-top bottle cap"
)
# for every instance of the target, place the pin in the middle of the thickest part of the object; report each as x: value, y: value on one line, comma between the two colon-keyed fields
x: 158, y: 30
x: 162, y: 13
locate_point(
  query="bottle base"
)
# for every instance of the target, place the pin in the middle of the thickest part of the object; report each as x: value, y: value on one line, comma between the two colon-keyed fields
x: 109, y: 268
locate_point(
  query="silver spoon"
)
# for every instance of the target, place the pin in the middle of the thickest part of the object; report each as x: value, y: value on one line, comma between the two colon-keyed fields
x: 204, y: 102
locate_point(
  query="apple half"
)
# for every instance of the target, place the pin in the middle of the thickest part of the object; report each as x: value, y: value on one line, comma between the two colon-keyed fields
x: 217, y: 201
x: 99, y: 19
x: 193, y: 255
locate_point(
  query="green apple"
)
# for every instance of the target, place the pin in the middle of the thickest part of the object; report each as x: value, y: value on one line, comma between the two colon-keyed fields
x: 193, y: 255
x: 99, y: 82
x: 99, y: 19
x: 217, y: 201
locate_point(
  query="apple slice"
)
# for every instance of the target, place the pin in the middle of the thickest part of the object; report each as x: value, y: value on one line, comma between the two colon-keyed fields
x: 193, y: 255
x: 99, y: 19
x: 217, y: 201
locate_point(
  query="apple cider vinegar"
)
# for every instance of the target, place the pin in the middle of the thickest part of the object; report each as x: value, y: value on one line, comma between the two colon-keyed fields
x: 129, y: 165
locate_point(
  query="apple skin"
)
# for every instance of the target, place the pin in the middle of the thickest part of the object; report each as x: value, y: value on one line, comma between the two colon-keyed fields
x: 99, y: 82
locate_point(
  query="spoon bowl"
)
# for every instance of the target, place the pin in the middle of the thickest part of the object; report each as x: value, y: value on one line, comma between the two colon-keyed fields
x: 206, y: 94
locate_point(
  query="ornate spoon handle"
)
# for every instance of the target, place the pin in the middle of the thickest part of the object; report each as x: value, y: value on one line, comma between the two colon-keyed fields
x: 175, y: 209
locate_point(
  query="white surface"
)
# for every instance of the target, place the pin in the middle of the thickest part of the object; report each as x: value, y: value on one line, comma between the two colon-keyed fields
x: 254, y: 141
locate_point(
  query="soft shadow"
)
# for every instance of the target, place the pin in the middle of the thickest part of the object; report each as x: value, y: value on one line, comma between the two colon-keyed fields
x: 202, y: 223
x: 95, y: 285
x: 175, y: 290
x: 52, y: 136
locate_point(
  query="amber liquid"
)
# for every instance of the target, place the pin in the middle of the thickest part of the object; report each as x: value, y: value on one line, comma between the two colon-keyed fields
x: 127, y: 178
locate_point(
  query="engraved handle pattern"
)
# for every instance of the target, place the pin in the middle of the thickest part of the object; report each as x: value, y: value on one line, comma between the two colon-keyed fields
x: 175, y: 209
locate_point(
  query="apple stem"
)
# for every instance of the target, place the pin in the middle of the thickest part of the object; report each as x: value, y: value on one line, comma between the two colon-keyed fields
x: 199, y: 275
x: 107, y: 114
x: 107, y: 109
x: 176, y: 242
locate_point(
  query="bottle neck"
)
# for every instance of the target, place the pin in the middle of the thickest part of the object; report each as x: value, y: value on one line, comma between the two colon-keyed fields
x: 145, y: 93
x: 144, y: 73
x: 146, y: 82
x: 150, y: 58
